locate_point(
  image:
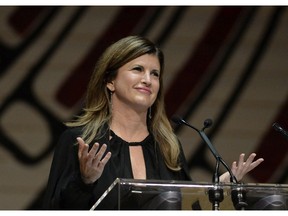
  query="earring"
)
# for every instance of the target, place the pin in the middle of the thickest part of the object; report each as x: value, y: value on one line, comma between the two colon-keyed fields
x: 149, y: 113
x: 110, y: 101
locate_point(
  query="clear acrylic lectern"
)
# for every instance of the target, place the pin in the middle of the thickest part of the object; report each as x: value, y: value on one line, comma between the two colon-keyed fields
x: 131, y: 194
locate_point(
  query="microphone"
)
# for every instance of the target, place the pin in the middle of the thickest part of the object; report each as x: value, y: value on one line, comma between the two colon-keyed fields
x: 216, y: 196
x: 208, y: 123
x: 278, y: 128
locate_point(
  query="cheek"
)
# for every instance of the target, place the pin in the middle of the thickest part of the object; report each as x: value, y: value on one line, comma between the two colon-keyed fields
x: 156, y: 87
x: 156, y: 93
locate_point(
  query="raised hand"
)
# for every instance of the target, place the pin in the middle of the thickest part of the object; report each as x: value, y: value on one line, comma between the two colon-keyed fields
x: 241, y: 168
x: 92, y: 162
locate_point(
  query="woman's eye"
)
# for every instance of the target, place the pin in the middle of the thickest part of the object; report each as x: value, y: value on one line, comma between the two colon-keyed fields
x: 156, y: 74
x: 137, y: 68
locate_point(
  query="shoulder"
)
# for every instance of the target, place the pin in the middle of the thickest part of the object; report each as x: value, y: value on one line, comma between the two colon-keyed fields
x: 75, y: 131
x: 68, y: 137
x: 72, y: 131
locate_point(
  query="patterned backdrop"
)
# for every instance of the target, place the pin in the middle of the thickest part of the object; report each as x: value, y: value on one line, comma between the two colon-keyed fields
x: 225, y: 63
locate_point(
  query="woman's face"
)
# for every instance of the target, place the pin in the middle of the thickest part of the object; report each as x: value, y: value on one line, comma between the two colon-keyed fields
x: 137, y: 83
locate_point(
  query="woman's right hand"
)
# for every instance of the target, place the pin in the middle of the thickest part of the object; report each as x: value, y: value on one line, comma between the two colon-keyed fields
x: 91, y: 162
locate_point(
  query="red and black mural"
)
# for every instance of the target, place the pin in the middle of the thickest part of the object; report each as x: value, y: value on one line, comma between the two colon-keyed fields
x: 224, y: 63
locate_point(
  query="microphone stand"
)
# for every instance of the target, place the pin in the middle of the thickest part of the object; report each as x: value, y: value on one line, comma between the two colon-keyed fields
x: 216, y: 194
x: 238, y: 195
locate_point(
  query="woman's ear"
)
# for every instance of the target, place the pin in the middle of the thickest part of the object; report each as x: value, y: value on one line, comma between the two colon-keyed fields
x: 110, y: 86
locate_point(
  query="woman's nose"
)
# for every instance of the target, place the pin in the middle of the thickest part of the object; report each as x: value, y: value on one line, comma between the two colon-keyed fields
x: 146, y: 78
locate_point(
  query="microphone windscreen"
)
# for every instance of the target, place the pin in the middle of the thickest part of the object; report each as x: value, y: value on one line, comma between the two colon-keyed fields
x: 176, y: 119
x: 208, y: 123
x: 277, y: 127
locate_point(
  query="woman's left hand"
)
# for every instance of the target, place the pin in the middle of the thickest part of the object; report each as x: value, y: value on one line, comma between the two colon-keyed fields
x: 241, y: 168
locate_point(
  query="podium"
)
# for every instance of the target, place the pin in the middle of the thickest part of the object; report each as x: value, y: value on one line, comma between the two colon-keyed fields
x: 131, y: 194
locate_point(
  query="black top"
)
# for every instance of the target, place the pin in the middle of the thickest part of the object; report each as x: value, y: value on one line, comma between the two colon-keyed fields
x: 65, y: 189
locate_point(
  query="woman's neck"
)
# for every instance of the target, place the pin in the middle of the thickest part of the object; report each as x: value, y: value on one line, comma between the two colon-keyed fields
x: 130, y: 126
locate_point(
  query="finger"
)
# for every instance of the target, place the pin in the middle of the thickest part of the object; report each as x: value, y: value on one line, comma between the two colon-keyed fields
x: 93, y: 151
x: 103, y: 162
x: 241, y: 160
x: 255, y: 163
x: 234, y: 167
x: 250, y: 164
x: 250, y: 158
x: 99, y: 155
x: 241, y: 169
x: 83, y: 148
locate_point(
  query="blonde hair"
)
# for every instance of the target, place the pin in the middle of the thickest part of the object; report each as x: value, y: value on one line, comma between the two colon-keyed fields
x: 96, y: 113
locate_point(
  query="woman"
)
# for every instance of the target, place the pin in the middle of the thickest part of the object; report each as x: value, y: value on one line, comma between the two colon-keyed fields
x: 123, y: 131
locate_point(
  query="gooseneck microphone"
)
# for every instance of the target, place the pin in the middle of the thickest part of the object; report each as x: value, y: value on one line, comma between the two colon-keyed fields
x: 278, y: 128
x: 216, y: 194
x: 208, y: 123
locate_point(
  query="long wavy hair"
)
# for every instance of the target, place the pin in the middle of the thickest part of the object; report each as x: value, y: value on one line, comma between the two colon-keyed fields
x: 96, y: 112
